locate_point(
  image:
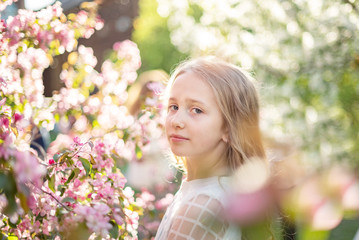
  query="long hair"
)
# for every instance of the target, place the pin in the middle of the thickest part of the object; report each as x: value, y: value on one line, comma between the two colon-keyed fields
x: 236, y: 94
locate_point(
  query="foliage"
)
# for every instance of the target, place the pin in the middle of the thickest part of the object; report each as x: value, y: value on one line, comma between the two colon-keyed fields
x: 74, y: 190
x: 304, y: 53
x: 153, y: 39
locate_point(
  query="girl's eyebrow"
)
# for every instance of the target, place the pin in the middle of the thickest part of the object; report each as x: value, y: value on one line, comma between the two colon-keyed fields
x: 190, y: 100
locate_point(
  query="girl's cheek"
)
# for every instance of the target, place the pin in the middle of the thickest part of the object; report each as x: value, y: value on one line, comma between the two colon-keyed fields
x: 167, y: 123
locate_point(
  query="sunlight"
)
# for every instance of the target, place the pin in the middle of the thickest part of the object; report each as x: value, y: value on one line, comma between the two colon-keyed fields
x: 37, y: 5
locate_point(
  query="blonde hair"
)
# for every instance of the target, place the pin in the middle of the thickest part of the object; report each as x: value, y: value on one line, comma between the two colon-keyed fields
x: 139, y: 89
x: 237, y: 97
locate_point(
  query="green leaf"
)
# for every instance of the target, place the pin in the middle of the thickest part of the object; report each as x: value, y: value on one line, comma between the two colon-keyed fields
x: 125, y: 135
x: 23, y: 201
x: 114, y: 230
x: 51, y: 183
x: 8, y: 185
x: 305, y: 232
x: 3, y: 237
x: 68, y: 199
x: 56, y: 157
x: 138, y: 152
x: 92, y: 159
x: 87, y: 165
x: 63, y: 157
x: 12, y: 225
x: 72, y: 175
x: 62, y: 189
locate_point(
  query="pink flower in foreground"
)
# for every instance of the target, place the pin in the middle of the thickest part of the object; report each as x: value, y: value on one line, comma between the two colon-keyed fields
x: 247, y: 208
x: 2, y: 101
x: 28, y: 169
x: 119, y: 180
x: 4, y: 122
x: 96, y: 217
x: 164, y: 202
x: 252, y: 196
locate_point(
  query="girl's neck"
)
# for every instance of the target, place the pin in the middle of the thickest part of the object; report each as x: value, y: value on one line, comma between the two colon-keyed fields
x: 199, y: 170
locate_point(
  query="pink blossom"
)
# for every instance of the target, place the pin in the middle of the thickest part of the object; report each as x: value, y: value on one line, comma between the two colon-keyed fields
x: 99, y: 23
x: 3, y: 202
x: 152, y: 226
x: 28, y: 169
x: 86, y: 55
x: 77, y: 141
x: 117, y: 216
x: 82, y: 17
x: 164, y: 202
x: 4, y: 122
x: 5, y: 152
x: 17, y: 117
x: 246, y: 208
x: 96, y: 219
x: 45, y: 227
x: 77, y: 183
x: 2, y: 102
x: 31, y: 201
x: 119, y: 180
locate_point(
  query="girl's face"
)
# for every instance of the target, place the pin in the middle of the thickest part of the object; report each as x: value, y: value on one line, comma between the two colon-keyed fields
x: 194, y: 124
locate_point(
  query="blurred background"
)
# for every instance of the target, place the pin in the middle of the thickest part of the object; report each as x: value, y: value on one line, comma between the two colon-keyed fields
x: 304, y: 53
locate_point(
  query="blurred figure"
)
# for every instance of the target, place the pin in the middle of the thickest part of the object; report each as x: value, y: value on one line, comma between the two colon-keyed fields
x: 152, y: 169
x: 144, y: 90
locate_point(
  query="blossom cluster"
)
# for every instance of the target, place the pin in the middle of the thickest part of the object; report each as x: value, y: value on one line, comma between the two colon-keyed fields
x: 29, y: 40
x: 75, y: 189
x: 5, y: 3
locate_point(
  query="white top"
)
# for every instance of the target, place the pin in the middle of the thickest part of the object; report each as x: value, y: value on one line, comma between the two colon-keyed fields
x: 195, y: 213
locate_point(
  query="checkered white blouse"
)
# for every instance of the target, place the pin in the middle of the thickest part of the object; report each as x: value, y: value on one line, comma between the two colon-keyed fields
x: 195, y: 213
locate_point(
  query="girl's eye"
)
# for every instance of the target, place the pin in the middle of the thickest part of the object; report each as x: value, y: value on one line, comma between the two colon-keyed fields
x: 197, y: 110
x: 173, y: 108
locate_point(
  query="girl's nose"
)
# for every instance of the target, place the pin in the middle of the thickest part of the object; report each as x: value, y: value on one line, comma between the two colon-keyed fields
x: 177, y: 120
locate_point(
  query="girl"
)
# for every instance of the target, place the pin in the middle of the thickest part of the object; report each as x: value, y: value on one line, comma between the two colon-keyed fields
x: 212, y: 127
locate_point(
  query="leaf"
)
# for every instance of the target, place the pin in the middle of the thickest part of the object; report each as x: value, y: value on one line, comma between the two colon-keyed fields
x: 92, y: 159
x: 12, y: 225
x: 14, y: 130
x: 3, y: 237
x: 68, y: 199
x: 87, y: 165
x: 51, y: 183
x: 63, y: 156
x: 62, y: 189
x: 8, y: 185
x: 23, y: 202
x: 56, y: 157
x: 72, y: 175
x: 70, y: 162
x: 125, y: 135
x: 114, y: 230
x: 138, y: 152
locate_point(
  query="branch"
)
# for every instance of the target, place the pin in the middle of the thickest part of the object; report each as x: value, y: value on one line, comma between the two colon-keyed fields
x: 50, y: 194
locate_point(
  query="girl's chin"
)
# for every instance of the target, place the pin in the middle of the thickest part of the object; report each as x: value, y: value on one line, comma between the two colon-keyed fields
x: 178, y: 153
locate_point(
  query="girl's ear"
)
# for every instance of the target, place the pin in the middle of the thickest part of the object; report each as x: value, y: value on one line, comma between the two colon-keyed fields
x: 225, y: 136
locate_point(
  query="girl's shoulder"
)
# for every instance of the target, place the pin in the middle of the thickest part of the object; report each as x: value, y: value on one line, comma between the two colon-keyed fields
x: 215, y: 188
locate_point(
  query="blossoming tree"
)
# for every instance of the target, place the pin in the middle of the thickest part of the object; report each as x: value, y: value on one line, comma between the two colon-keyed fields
x: 75, y: 189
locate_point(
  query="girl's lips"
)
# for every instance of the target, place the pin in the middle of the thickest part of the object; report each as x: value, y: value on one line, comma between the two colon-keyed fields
x: 177, y: 138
